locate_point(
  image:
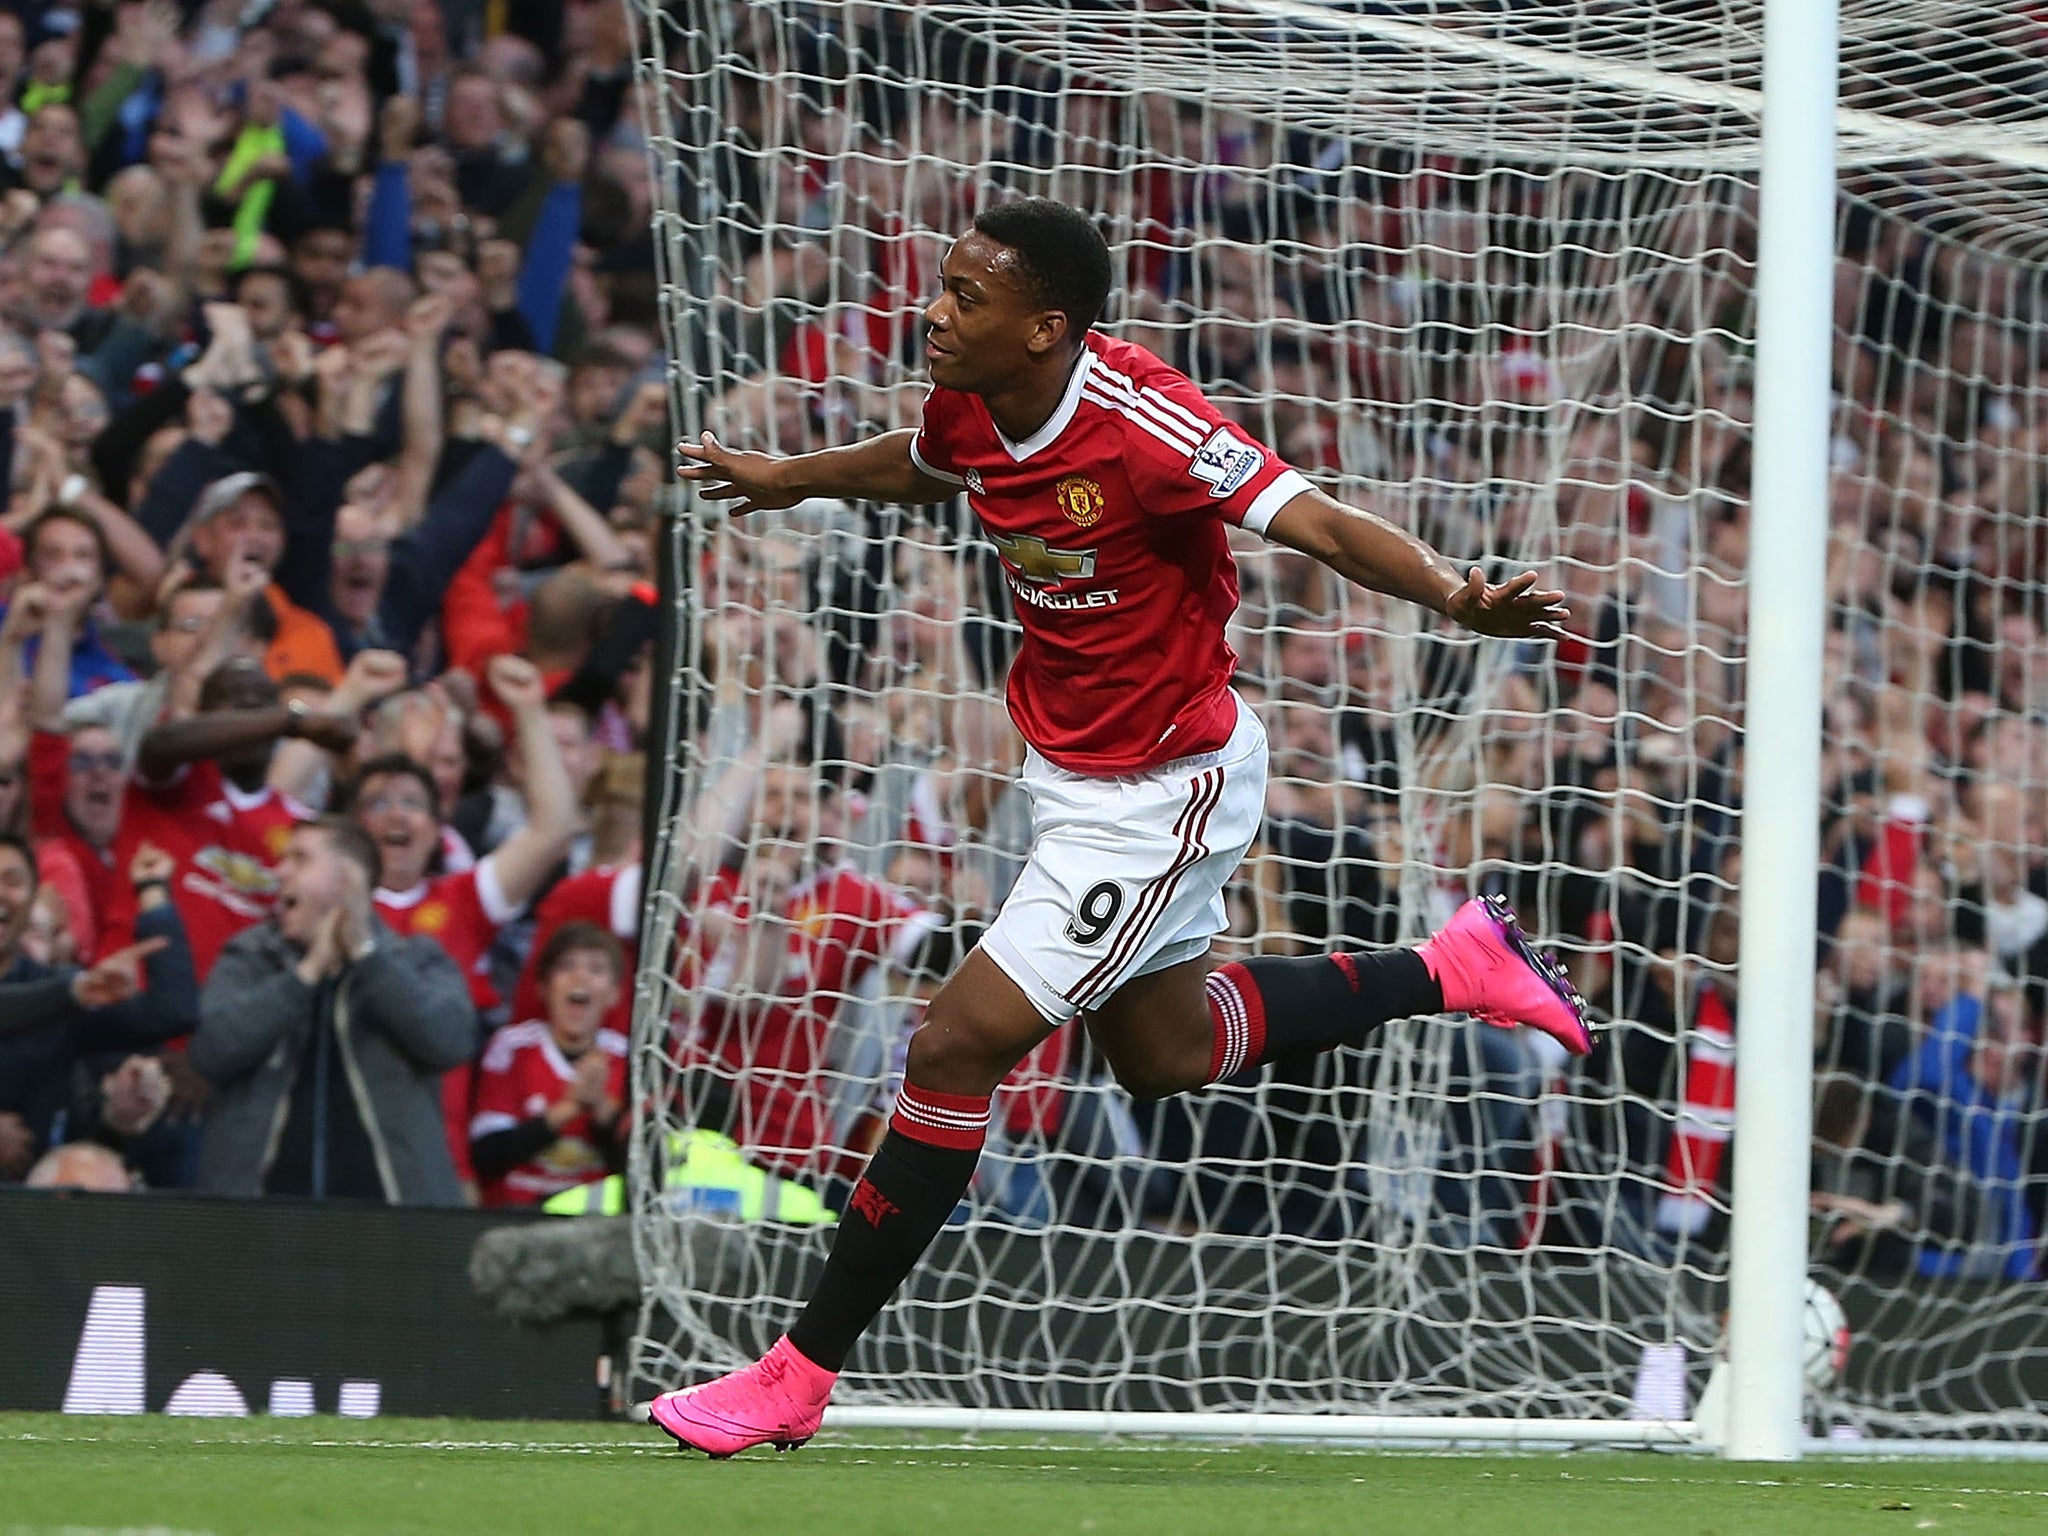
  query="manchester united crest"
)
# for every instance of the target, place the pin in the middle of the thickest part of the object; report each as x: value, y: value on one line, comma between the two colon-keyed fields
x: 1081, y: 500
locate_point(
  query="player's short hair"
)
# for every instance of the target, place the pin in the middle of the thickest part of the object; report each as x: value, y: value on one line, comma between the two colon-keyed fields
x: 574, y: 938
x: 245, y: 670
x: 1060, y: 253
x: 351, y: 842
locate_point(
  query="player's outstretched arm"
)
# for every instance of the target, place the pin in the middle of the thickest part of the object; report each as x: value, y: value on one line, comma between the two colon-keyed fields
x: 1371, y: 552
x: 880, y: 469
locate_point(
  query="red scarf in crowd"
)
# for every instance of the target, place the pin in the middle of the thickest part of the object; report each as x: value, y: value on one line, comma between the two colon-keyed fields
x: 1706, y: 1116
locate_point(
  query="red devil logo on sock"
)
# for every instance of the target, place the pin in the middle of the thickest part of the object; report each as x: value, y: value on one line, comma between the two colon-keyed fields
x: 871, y: 1203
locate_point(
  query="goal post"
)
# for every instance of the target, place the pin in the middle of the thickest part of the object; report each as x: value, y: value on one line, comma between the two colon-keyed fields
x: 1579, y: 288
x: 1788, y: 555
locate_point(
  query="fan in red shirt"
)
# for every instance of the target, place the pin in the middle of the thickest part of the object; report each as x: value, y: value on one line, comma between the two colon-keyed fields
x: 202, y: 793
x: 395, y: 803
x: 607, y: 895
x: 1107, y: 485
x: 774, y: 946
x: 75, y: 796
x: 609, y: 892
x: 550, y: 1092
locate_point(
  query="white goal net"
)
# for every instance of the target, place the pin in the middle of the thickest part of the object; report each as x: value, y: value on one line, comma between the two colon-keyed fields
x: 1488, y: 270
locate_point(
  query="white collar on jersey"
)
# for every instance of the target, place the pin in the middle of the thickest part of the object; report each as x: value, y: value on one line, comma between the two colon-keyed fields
x: 245, y: 800
x: 1056, y: 423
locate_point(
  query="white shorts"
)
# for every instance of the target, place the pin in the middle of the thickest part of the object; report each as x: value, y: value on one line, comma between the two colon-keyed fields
x: 1126, y: 875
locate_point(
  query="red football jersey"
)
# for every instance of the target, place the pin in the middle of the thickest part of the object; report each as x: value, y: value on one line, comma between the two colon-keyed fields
x: 107, y: 920
x: 608, y: 896
x: 777, y: 1048
x: 1110, y: 523
x: 462, y: 913
x: 227, y: 843
x: 522, y: 1073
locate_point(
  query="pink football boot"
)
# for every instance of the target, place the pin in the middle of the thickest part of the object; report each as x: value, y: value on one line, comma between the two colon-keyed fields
x: 1488, y: 968
x: 779, y: 1400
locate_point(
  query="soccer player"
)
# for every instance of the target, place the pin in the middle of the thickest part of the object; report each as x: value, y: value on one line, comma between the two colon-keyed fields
x: 1105, y: 481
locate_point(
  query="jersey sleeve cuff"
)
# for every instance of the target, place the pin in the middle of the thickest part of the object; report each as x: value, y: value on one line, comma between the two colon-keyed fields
x: 926, y: 469
x: 1287, y: 485
x: 625, y: 903
x: 490, y: 895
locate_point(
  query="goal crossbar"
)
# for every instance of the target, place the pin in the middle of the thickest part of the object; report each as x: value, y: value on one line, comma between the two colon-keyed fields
x: 1867, y: 137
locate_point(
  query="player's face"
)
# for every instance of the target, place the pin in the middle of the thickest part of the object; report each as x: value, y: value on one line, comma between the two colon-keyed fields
x: 581, y: 990
x: 983, y: 326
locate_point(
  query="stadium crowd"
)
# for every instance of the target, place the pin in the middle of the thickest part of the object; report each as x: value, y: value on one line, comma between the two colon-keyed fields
x: 331, y: 419
x: 336, y: 432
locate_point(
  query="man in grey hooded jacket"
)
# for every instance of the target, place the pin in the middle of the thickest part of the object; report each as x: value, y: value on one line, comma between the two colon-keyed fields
x: 326, y: 1035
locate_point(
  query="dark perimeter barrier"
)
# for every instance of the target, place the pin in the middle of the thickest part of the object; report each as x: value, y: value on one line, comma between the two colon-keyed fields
x: 148, y: 1303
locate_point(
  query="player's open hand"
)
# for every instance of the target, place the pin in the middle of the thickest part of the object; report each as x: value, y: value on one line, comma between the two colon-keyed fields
x: 1512, y: 609
x: 748, y: 480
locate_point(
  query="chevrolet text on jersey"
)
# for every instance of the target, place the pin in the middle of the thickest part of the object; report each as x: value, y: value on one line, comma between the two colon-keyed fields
x: 1062, y: 602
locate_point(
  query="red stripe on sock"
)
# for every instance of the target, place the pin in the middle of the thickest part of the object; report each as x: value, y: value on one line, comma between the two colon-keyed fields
x: 1348, y: 965
x: 958, y: 1121
x: 1255, y: 1010
x: 1237, y: 1014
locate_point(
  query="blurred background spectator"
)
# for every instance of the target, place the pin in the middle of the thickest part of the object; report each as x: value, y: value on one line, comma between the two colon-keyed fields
x: 326, y: 1037
x: 333, y: 433
x: 333, y: 415
x: 551, y: 1092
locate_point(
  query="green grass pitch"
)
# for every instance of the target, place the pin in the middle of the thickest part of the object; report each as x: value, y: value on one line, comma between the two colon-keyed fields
x: 168, y: 1477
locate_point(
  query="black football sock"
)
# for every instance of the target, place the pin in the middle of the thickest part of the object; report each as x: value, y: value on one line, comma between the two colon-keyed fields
x: 1269, y: 1008
x: 912, y: 1183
